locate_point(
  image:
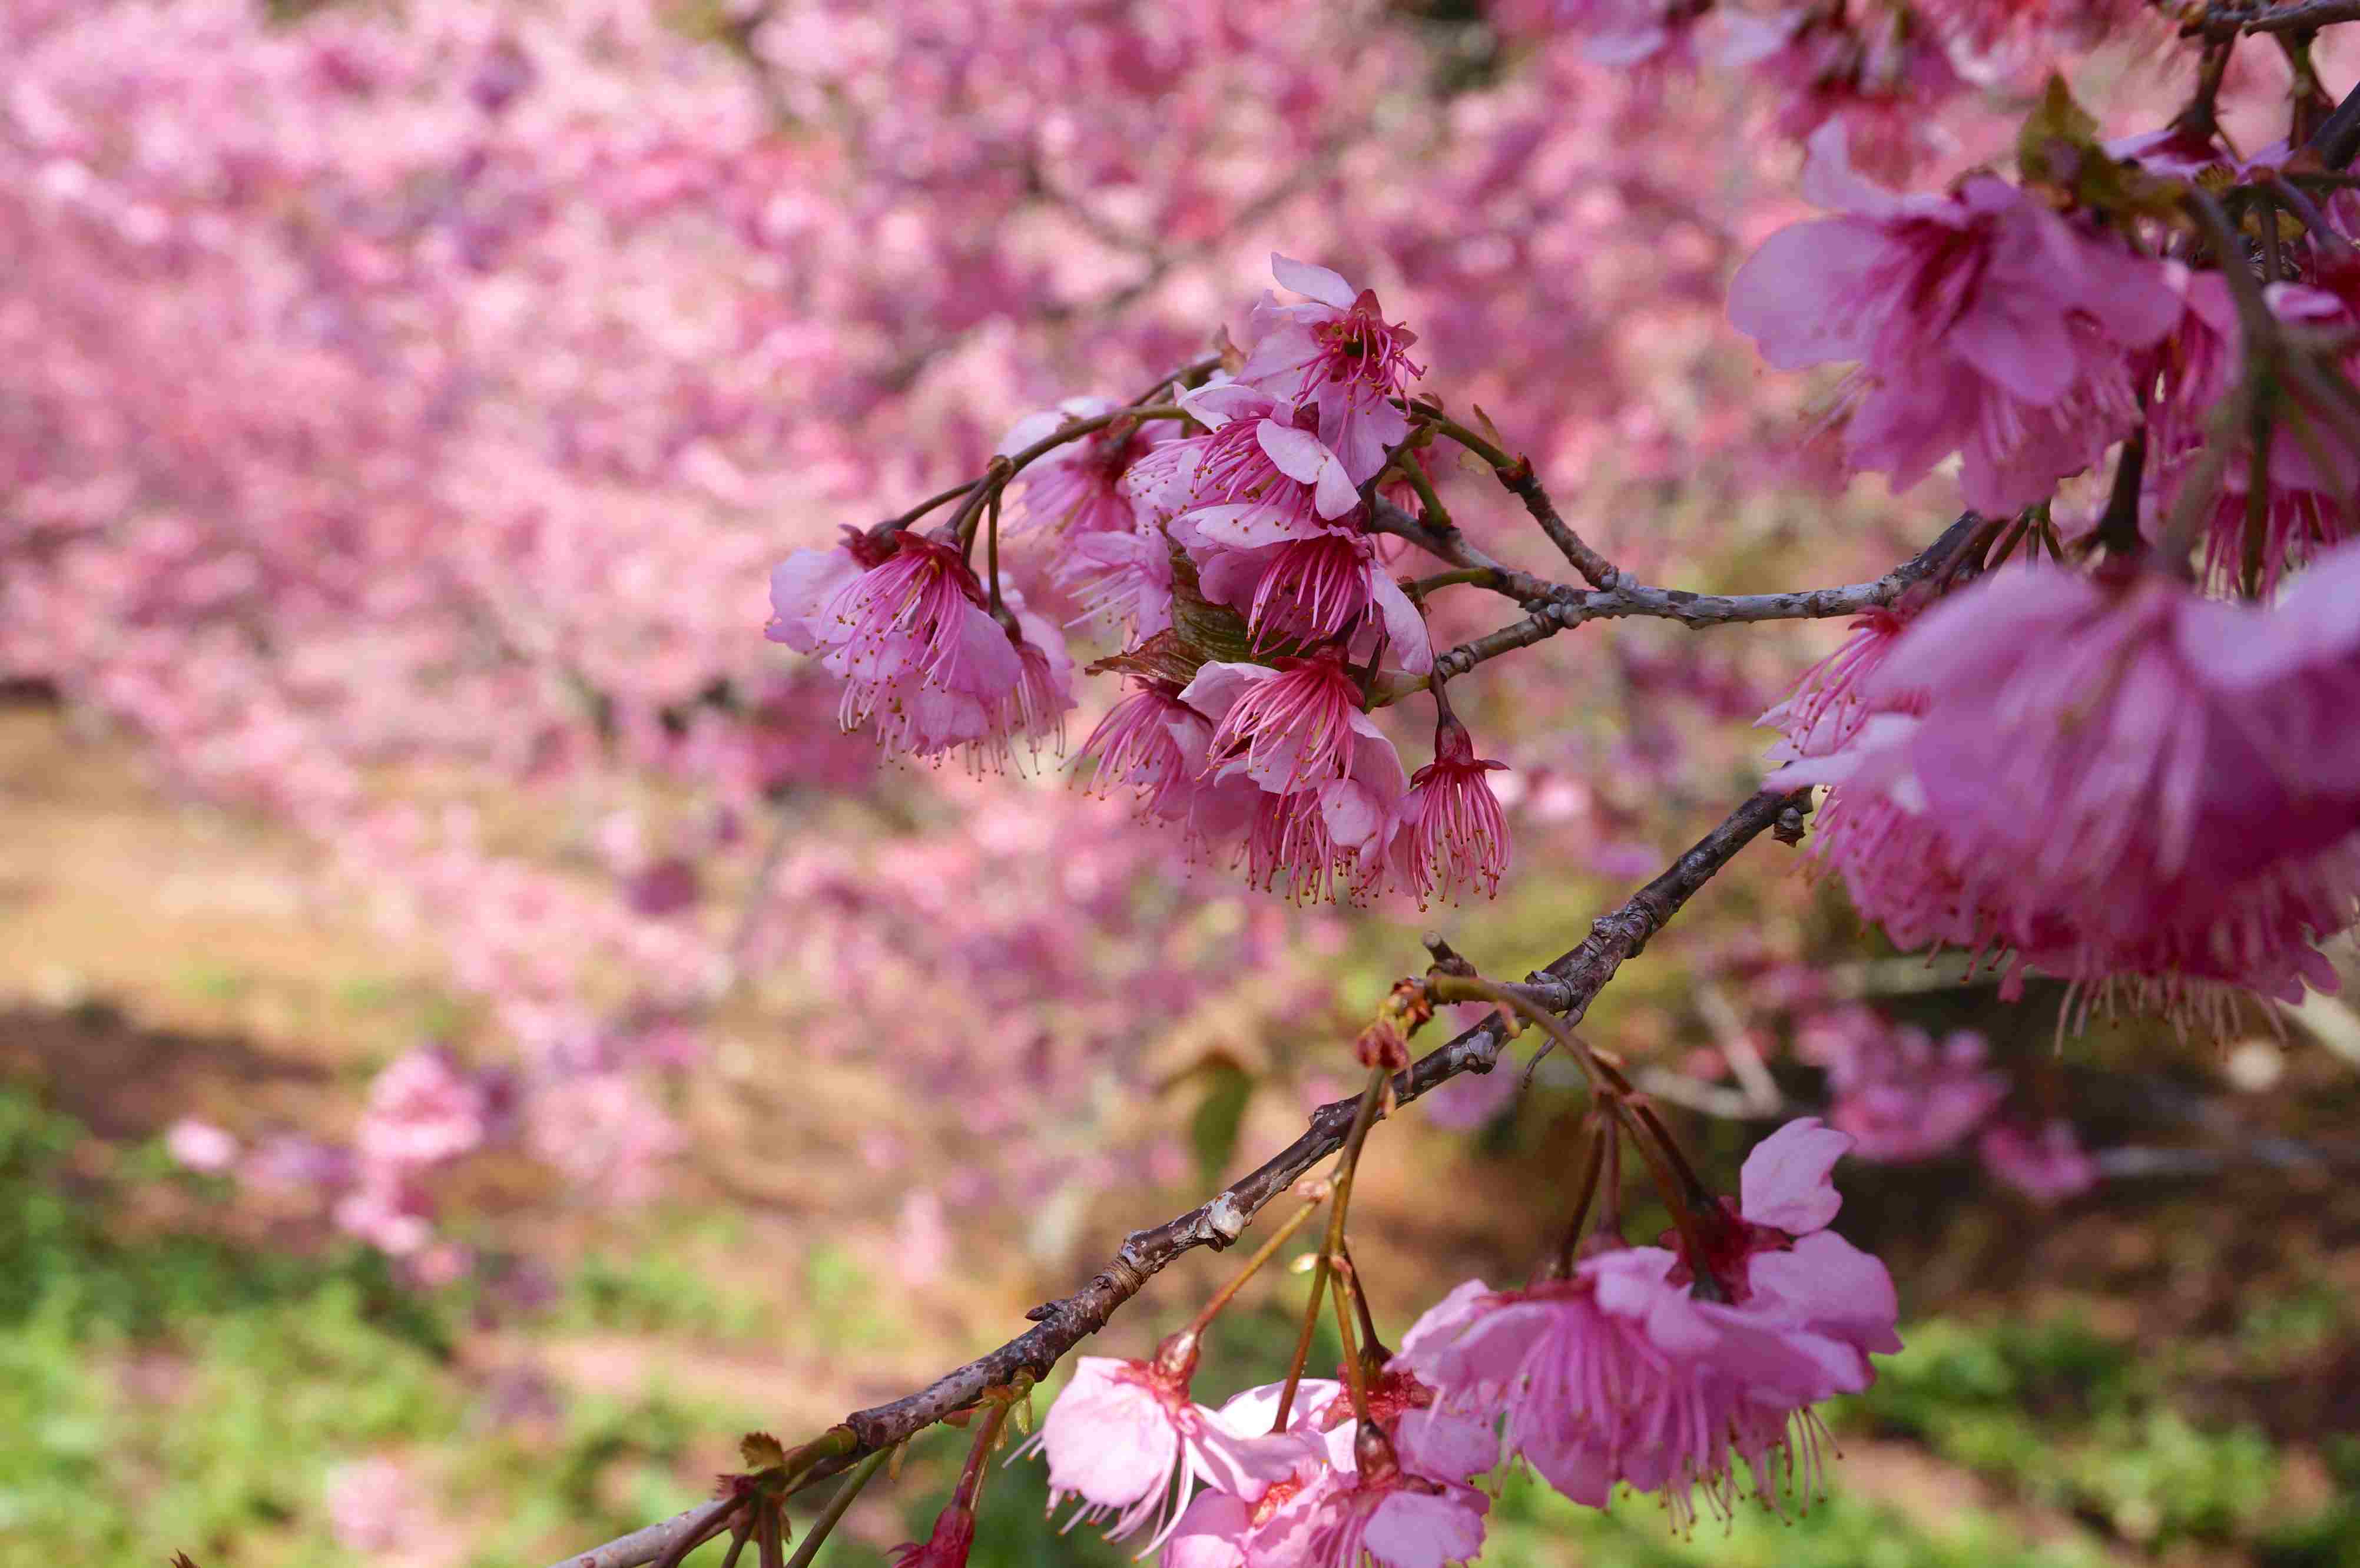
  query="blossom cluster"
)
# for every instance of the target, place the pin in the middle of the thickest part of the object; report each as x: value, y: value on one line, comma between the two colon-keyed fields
x: 1652, y: 1367
x: 1249, y: 538
x: 2115, y: 780
x: 2111, y: 776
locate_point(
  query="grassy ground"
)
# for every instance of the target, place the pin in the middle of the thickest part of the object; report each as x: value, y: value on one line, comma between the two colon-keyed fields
x: 2168, y: 1374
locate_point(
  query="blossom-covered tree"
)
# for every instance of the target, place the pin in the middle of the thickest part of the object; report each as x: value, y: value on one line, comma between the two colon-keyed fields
x: 426, y: 398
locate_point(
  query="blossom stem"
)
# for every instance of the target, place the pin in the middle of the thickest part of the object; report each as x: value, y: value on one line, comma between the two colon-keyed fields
x: 837, y: 1506
x: 1605, y: 1143
x: 1227, y: 1293
x: 1515, y: 475
x: 1371, y: 1345
x: 1364, y: 1115
x: 991, y: 559
x: 928, y: 505
x: 1603, y: 1077
x: 2337, y: 140
x: 2118, y: 530
x: 1356, y: 1376
x: 1682, y: 1193
x: 1438, y: 516
x: 1683, y: 1190
x: 1424, y: 585
x: 996, y: 1406
x: 1187, y: 373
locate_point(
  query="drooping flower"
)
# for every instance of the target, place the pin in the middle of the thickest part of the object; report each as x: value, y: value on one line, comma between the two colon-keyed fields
x: 1292, y: 724
x: 1827, y: 707
x: 2122, y: 783
x: 1313, y: 843
x: 923, y: 660
x: 1122, y: 576
x: 1982, y: 322
x: 1075, y: 489
x: 1313, y: 589
x: 1878, y: 74
x: 1789, y: 1266
x: 1452, y: 833
x: 1376, y: 1512
x: 2306, y: 511
x: 1616, y: 1375
x: 1335, y: 354
x: 1126, y: 1440
x: 802, y: 585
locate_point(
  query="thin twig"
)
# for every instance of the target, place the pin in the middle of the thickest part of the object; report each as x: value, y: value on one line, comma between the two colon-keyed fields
x: 1567, y: 607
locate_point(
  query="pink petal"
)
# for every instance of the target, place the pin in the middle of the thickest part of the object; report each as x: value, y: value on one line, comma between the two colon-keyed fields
x: 1783, y: 1183
x: 1412, y: 1529
x: 1800, y: 296
x: 1218, y: 687
x: 1313, y: 282
x: 1304, y: 457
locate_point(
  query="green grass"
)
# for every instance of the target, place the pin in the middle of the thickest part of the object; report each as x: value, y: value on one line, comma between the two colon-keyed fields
x: 162, y: 1390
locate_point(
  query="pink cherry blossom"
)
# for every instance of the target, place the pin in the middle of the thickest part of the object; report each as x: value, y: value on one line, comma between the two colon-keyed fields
x: 1982, y: 322
x: 2122, y: 783
x: 1075, y: 489
x: 1258, y: 477
x: 803, y: 586
x: 1210, y: 1532
x: 421, y: 1111
x: 1293, y: 726
x: 1897, y: 1093
x: 1335, y: 354
x: 1122, y: 576
x: 1827, y: 707
x: 2306, y: 512
x: 1452, y: 833
x: 1126, y: 1440
x: 1618, y: 1374
x: 2045, y: 1164
x: 1342, y: 1519
x: 1789, y: 1266
x: 925, y: 662
x: 1879, y: 75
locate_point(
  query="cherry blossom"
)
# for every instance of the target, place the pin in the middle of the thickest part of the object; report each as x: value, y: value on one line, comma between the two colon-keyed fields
x: 1125, y: 1439
x: 1077, y: 488
x: 2118, y: 781
x: 2045, y: 1164
x: 1897, y: 1093
x: 1338, y: 354
x: 1452, y: 833
x: 1983, y: 322
x: 924, y: 661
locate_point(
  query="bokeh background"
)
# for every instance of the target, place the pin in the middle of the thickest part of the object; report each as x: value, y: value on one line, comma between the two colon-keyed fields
x: 474, y: 1040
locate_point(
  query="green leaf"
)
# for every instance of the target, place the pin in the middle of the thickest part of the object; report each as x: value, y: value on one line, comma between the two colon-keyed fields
x: 1213, y: 1129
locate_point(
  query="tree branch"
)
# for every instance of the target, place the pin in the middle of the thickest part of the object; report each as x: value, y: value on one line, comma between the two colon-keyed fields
x: 1572, y: 607
x: 1571, y: 982
x: 2303, y: 16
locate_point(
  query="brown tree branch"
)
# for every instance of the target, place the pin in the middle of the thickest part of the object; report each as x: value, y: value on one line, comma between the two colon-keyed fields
x: 1571, y: 982
x: 1561, y: 607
